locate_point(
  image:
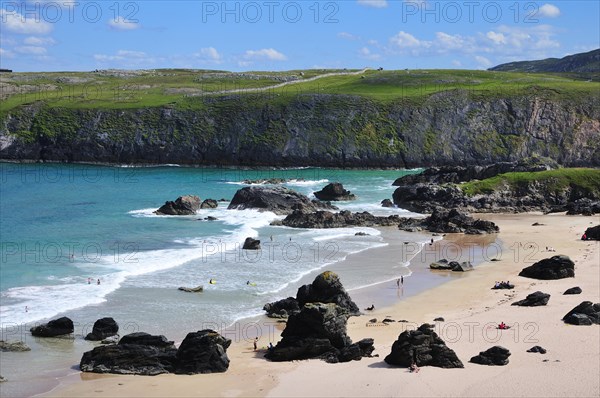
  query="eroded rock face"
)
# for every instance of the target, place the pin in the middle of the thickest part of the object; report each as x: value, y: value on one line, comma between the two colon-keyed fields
x: 556, y: 267
x: 585, y: 313
x: 423, y: 347
x: 204, y: 351
x: 335, y: 192
x: 182, y: 206
x: 533, y: 300
x: 102, y: 329
x: 56, y: 327
x: 497, y: 355
x: 279, y: 200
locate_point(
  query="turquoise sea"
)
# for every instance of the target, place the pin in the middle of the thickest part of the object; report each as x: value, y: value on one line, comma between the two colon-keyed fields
x: 65, y: 224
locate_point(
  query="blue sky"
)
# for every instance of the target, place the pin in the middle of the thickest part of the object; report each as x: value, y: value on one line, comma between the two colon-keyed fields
x: 79, y: 35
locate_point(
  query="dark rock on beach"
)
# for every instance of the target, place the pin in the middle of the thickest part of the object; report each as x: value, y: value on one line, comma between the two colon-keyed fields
x: 279, y: 200
x: 497, y: 355
x: 449, y: 221
x: 56, y: 327
x: 583, y: 206
x: 204, y: 351
x: 326, y: 219
x: 593, y: 233
x: 182, y: 206
x: 2, y: 379
x: 585, y: 313
x: 335, y: 192
x: 103, y: 328
x: 537, y: 348
x: 137, y: 353
x: 319, y: 331
x: 13, y: 346
x: 197, y: 289
x: 423, y: 347
x: 209, y: 204
x: 533, y: 300
x: 556, y: 267
x: 573, y: 290
x: 327, y: 288
x: 251, y: 244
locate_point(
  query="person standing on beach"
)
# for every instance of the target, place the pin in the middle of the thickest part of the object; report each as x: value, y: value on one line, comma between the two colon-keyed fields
x: 398, y: 282
x: 402, y: 280
x: 255, y: 343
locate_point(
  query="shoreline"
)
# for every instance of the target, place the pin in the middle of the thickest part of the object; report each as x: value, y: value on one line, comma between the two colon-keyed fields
x: 469, y: 307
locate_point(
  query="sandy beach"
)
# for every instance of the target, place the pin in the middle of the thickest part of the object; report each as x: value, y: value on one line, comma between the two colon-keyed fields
x: 471, y: 311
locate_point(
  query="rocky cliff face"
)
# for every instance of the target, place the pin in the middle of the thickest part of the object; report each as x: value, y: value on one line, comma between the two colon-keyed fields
x: 448, y: 128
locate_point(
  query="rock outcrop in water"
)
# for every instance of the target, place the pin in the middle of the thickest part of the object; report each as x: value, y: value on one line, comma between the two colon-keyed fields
x: 327, y: 219
x: 556, y: 267
x: 335, y: 192
x: 182, y: 206
x: 56, y: 327
x: 13, y: 346
x: 279, y: 200
x: 209, y: 204
x: 251, y: 244
x: 423, y: 347
x: 102, y: 329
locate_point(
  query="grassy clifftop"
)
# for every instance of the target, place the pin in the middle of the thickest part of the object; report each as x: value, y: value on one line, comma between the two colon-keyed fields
x: 581, y: 179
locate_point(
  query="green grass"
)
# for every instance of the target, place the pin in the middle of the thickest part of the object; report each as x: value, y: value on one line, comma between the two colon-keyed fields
x: 192, y: 88
x: 584, y: 179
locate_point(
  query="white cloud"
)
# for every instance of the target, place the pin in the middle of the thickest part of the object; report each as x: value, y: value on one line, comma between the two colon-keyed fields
x: 123, y: 55
x: 121, y: 23
x: 209, y: 54
x: 456, y: 63
x: 39, y: 41
x: 483, y: 62
x: 14, y: 22
x: 367, y: 54
x: 33, y: 50
x: 347, y: 36
x: 265, y: 53
x: 548, y: 11
x: 451, y: 42
x: 373, y: 3
x: 497, y: 38
x: 406, y: 40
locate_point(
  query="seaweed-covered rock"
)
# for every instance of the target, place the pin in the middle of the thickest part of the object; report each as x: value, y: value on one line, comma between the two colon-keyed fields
x: 14, y: 346
x: 204, y: 351
x: 495, y: 356
x: 556, y: 267
x: 423, y: 347
x: 103, y: 328
x: 327, y: 219
x: 56, y: 327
